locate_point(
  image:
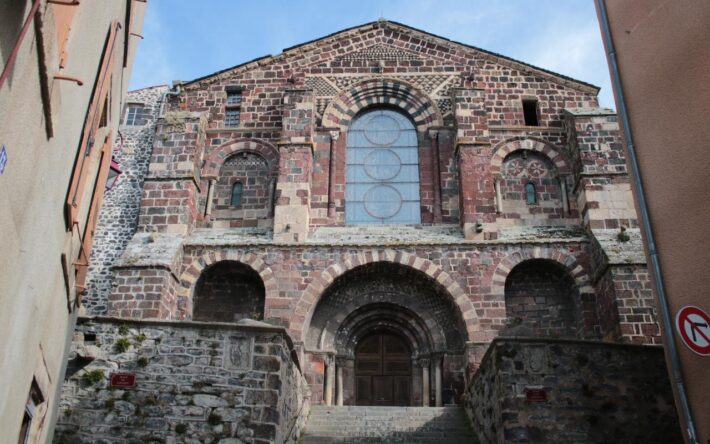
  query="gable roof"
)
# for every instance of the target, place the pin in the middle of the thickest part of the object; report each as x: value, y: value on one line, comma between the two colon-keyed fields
x: 505, y: 60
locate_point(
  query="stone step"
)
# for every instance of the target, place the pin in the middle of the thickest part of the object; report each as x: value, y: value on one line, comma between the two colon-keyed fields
x: 401, y: 425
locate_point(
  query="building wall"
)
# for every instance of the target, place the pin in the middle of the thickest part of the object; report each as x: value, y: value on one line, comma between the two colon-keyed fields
x: 194, y: 382
x: 593, y: 392
x: 119, y: 211
x: 295, y: 112
x: 663, y: 69
x: 41, y: 121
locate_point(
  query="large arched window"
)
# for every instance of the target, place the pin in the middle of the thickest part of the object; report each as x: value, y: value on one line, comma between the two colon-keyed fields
x: 382, y: 175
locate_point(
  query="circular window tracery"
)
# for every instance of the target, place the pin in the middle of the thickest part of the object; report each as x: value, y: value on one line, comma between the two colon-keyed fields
x: 382, y: 164
x: 382, y: 201
x: 382, y: 130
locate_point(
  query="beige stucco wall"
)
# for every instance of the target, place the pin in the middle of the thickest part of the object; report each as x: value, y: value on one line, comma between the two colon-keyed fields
x: 35, y: 324
x: 663, y: 49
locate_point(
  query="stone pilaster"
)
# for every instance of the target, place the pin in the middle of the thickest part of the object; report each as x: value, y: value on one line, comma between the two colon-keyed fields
x: 170, y: 192
x: 293, y: 188
x: 473, y: 153
x: 604, y: 193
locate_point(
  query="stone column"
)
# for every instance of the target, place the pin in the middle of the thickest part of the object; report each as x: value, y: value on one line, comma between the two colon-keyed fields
x: 210, y: 196
x: 329, y: 380
x: 563, y: 194
x: 339, y: 364
x: 425, y: 382
x: 436, y: 171
x: 437, y: 380
x: 499, y: 196
x: 332, y: 165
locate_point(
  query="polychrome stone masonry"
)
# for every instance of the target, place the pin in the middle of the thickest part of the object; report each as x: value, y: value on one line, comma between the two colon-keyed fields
x: 393, y: 200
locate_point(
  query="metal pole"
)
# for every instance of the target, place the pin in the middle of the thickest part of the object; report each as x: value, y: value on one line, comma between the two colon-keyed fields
x: 676, y: 371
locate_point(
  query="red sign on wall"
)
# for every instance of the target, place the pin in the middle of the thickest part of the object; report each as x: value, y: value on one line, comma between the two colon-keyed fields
x: 535, y: 394
x: 123, y: 380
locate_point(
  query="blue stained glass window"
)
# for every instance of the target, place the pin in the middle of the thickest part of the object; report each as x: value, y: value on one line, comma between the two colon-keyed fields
x: 382, y: 171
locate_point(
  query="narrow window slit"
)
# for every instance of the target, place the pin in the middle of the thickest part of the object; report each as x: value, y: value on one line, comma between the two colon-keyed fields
x: 530, y: 194
x: 530, y: 112
x: 237, y: 190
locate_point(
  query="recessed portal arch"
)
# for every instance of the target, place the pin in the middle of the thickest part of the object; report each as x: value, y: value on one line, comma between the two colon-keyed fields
x: 388, y: 300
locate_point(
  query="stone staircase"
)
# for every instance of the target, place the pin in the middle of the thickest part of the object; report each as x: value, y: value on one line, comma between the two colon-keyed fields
x: 403, y: 425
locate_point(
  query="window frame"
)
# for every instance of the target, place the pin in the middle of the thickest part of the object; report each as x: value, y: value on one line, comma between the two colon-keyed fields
x: 236, y: 184
x: 233, y: 107
x: 35, y: 399
x: 528, y: 103
x: 528, y: 187
x: 137, y: 117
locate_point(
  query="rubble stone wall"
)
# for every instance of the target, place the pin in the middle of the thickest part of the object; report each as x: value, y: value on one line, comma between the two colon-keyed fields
x: 194, y: 382
x: 119, y: 211
x: 535, y: 390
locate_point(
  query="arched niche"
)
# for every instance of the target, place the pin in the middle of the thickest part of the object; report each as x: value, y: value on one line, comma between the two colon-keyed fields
x: 228, y: 291
x: 541, y: 299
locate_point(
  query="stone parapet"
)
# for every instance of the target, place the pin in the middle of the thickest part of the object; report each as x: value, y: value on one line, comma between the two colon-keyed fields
x: 193, y: 382
x: 554, y: 390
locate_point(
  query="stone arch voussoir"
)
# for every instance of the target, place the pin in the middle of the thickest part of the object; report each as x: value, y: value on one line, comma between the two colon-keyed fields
x: 306, y: 304
x: 382, y: 91
x: 576, y: 270
x: 191, y: 274
x: 556, y: 155
x: 216, y: 158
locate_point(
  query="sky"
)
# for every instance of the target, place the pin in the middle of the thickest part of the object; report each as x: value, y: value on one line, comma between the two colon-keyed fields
x: 187, y: 39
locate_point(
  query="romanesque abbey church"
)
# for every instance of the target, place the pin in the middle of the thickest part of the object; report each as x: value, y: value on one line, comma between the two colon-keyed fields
x: 380, y: 235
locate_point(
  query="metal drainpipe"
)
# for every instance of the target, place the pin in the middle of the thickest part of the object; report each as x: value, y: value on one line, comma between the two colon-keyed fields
x: 16, y: 49
x: 676, y: 370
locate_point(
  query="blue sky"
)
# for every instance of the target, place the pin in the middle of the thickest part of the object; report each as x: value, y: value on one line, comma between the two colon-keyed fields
x: 186, y: 39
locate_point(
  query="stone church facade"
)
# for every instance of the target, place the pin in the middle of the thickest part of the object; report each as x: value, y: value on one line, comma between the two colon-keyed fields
x: 392, y: 199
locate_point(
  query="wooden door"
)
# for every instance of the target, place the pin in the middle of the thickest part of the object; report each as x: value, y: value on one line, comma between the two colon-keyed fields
x: 383, y: 371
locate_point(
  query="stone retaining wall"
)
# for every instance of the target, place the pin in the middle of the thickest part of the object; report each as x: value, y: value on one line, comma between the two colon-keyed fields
x: 195, y: 383
x: 582, y: 391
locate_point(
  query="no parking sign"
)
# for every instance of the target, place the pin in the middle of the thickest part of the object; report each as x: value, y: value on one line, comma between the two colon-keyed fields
x: 693, y: 326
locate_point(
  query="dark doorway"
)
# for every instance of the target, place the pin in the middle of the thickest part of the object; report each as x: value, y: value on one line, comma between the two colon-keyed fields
x: 383, y: 371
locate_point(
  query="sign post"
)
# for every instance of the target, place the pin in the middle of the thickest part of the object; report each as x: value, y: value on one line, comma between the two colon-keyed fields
x: 693, y: 326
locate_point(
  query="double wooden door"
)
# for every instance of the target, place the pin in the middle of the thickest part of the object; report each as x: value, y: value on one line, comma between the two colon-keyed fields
x: 383, y: 371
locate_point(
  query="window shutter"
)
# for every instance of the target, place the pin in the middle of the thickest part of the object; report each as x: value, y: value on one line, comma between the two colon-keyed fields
x: 91, y: 126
